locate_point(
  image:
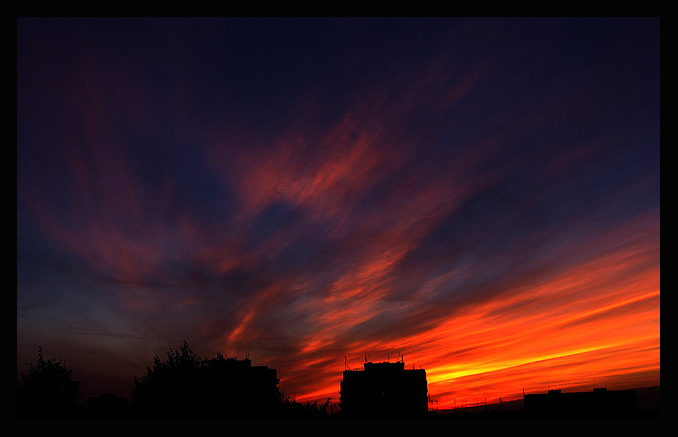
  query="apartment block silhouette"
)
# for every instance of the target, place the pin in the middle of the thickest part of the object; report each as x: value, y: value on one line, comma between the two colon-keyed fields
x: 384, y: 390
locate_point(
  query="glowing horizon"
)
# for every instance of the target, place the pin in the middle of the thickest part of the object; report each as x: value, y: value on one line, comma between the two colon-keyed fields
x: 505, y: 368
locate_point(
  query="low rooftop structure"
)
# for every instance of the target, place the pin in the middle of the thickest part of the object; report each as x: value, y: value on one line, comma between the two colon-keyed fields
x: 597, y: 403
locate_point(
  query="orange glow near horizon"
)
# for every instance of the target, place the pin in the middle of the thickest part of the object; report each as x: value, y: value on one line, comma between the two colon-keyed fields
x: 596, y: 324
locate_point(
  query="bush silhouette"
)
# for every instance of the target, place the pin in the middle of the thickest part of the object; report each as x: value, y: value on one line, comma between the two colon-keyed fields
x: 47, y: 391
x: 188, y: 386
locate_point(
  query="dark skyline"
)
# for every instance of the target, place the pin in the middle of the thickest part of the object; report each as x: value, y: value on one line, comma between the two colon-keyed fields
x: 478, y: 195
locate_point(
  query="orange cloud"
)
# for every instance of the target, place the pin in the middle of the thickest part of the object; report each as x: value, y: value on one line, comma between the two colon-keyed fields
x: 597, y: 320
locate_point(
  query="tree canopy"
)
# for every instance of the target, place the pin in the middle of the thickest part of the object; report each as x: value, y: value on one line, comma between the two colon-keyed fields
x: 47, y: 390
x: 187, y: 385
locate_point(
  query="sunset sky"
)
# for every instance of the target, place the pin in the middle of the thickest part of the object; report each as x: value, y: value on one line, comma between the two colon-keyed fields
x: 478, y: 196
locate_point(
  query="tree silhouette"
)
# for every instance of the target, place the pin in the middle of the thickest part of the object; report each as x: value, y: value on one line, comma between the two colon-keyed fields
x: 188, y: 386
x: 47, y: 391
x: 168, y: 388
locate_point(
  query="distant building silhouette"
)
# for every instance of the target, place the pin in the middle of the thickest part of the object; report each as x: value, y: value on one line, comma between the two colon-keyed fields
x: 257, y: 385
x: 384, y: 390
x: 597, y: 403
x: 107, y: 406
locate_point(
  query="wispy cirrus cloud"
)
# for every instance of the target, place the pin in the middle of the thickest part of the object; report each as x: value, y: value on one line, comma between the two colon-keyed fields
x: 468, y: 198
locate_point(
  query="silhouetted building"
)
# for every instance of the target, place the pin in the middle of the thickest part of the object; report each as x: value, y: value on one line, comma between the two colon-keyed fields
x: 384, y: 389
x: 107, y: 406
x: 597, y: 403
x: 240, y: 389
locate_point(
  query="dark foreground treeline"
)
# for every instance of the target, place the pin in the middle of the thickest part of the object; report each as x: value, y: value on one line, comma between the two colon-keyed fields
x: 182, y: 386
